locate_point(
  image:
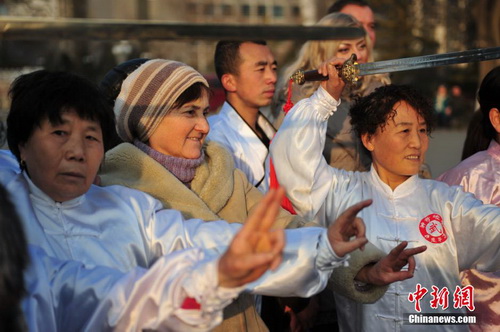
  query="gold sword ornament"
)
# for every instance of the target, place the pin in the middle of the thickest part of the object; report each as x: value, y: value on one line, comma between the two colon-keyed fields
x: 351, y: 71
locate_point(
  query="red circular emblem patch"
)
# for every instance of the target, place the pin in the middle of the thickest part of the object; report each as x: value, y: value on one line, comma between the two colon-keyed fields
x: 432, y: 228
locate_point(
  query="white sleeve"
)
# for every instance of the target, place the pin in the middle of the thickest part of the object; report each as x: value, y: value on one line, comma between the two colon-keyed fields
x: 65, y: 296
x: 166, y: 230
x: 9, y: 166
x: 297, y: 153
x: 308, y: 261
x: 308, y: 257
x: 171, y: 232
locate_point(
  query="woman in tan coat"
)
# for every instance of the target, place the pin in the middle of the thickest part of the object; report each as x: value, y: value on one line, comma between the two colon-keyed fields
x: 160, y: 106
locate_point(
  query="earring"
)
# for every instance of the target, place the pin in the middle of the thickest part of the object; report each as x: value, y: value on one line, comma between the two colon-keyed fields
x: 22, y: 164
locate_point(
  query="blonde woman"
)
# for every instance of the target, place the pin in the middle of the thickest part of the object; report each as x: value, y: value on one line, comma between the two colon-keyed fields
x: 342, y: 148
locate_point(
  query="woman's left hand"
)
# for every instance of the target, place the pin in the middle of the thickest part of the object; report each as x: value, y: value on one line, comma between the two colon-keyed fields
x: 389, y: 269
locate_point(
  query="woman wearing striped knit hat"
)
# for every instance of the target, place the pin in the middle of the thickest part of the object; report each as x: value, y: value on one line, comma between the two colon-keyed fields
x: 160, y: 107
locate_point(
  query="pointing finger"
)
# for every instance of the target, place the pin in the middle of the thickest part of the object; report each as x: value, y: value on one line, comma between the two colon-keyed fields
x: 352, y: 211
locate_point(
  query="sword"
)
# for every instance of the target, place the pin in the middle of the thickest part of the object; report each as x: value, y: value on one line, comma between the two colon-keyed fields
x: 351, y: 71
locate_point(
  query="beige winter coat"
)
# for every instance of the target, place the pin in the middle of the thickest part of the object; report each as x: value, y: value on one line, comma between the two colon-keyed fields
x: 218, y: 190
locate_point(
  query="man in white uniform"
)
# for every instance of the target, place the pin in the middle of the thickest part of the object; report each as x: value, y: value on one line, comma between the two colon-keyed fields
x: 247, y: 71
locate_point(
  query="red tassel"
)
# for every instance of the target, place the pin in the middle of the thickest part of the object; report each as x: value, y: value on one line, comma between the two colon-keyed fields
x: 190, y: 304
x: 274, y: 184
x: 288, y: 105
x: 273, y: 180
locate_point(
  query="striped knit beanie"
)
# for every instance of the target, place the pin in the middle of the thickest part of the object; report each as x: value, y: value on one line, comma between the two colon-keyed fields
x: 147, y: 95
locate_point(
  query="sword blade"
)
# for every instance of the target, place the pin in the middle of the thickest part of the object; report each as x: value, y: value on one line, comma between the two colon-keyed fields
x: 428, y: 61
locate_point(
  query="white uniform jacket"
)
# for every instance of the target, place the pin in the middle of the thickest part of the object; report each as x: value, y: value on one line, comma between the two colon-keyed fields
x: 249, y: 152
x: 124, y: 228
x: 66, y: 296
x: 459, y: 231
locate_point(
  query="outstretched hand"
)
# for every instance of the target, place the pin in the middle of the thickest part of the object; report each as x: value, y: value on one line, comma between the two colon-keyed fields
x: 256, y: 247
x: 345, y: 227
x: 388, y: 269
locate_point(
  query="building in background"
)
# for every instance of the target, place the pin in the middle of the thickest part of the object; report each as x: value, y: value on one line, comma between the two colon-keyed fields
x: 406, y: 28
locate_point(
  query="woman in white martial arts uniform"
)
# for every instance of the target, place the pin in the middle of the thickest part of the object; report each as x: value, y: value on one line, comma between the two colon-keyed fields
x: 58, y: 128
x: 393, y: 124
x: 65, y: 296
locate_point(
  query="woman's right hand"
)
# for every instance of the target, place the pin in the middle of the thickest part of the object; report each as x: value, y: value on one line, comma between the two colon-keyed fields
x: 335, y: 84
x: 257, y: 247
x: 347, y: 232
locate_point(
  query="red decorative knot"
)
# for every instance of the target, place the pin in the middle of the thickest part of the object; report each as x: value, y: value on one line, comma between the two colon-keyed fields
x: 288, y: 105
x: 274, y: 184
x: 190, y: 304
x: 273, y: 180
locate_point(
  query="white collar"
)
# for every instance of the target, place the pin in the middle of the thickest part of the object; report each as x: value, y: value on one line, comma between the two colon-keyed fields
x: 40, y: 196
x: 405, y: 188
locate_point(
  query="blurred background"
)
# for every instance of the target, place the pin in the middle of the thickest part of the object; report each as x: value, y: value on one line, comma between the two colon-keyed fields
x: 404, y: 28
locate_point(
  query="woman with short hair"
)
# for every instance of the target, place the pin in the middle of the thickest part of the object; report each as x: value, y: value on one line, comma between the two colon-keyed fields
x: 393, y: 123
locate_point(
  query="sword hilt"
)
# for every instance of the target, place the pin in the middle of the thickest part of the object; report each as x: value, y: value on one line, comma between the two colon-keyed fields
x: 348, y: 72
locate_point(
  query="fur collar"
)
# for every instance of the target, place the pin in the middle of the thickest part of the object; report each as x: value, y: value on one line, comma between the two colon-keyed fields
x: 211, y: 187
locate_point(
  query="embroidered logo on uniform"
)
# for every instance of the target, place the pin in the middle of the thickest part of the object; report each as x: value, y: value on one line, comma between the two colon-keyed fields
x: 432, y: 228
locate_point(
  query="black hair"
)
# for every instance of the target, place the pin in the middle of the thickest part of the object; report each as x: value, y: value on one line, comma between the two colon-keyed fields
x: 13, y: 261
x: 47, y: 94
x: 111, y: 84
x: 488, y: 97
x: 3, y: 133
x: 373, y: 111
x: 338, y: 5
x: 227, y: 58
x: 475, y: 140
